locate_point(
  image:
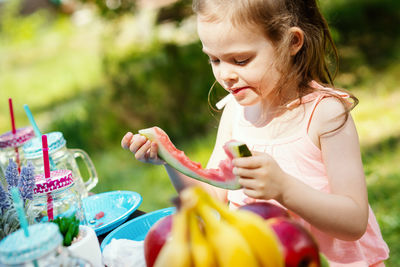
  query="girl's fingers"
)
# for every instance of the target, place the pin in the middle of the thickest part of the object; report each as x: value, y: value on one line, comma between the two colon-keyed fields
x: 142, y: 152
x: 153, y: 150
x: 256, y: 161
x: 248, y: 183
x: 243, y: 173
x: 247, y: 162
x: 126, y: 140
x: 251, y: 193
x: 143, y: 149
x: 136, y: 142
x: 256, y: 153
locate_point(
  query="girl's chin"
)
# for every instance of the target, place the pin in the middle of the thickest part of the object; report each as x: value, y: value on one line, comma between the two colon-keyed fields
x: 249, y: 100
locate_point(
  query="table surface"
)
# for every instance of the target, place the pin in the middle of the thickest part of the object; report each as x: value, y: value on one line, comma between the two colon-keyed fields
x: 135, y: 214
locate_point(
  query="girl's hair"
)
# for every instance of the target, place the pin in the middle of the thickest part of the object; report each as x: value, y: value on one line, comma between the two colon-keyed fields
x: 275, y: 18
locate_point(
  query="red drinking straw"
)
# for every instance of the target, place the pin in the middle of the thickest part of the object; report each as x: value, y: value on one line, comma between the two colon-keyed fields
x: 12, y: 115
x: 46, y: 164
x: 14, y: 131
x: 45, y: 157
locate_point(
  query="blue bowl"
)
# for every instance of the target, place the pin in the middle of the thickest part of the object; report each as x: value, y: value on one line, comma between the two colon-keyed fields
x: 137, y: 228
x: 116, y: 205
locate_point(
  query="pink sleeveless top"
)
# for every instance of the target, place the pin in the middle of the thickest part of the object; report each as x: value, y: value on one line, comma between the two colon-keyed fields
x: 298, y: 156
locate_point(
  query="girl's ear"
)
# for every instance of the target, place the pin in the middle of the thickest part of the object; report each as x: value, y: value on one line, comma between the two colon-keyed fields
x: 297, y: 40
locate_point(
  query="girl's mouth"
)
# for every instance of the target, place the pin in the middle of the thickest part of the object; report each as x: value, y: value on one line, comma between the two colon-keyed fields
x: 238, y: 90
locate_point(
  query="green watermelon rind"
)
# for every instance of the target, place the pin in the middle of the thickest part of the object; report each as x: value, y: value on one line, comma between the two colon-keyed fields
x: 323, y: 260
x: 237, y: 149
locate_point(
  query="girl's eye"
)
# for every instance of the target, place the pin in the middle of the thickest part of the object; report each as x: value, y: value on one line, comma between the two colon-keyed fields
x: 241, y: 62
x: 213, y: 61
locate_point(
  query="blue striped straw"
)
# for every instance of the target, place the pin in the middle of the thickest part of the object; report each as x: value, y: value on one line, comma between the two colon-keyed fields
x: 37, y: 132
x: 32, y: 120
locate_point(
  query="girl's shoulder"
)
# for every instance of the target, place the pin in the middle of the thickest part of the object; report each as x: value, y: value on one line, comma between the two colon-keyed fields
x: 327, y: 115
x: 329, y: 110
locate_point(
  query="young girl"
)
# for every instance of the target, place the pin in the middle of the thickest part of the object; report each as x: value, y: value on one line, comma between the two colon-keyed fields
x: 271, y: 56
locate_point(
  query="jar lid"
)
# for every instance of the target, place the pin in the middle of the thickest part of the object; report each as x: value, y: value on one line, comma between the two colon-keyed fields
x: 33, y: 148
x: 16, y: 248
x: 59, y: 179
x: 21, y: 135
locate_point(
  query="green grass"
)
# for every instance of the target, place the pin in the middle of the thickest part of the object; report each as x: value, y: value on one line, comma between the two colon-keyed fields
x: 383, y: 178
x: 60, y: 65
x: 380, y: 146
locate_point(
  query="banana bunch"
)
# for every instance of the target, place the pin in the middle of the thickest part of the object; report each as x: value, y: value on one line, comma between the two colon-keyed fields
x: 206, y: 233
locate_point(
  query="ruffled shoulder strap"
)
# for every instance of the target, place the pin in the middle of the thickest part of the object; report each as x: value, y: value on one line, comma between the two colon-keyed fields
x: 316, y: 96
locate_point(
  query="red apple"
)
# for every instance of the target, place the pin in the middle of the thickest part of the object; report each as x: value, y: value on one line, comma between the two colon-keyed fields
x: 299, y: 247
x: 266, y: 210
x: 155, y: 239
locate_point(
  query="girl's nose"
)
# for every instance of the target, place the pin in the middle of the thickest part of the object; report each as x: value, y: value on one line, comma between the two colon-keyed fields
x: 228, y: 75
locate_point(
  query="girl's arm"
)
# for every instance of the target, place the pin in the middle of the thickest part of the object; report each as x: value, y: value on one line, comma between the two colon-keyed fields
x: 343, y: 212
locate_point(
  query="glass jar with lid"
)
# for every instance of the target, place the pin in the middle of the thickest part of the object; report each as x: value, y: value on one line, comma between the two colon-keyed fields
x: 54, y: 197
x: 43, y: 247
x: 61, y: 157
x: 11, y: 148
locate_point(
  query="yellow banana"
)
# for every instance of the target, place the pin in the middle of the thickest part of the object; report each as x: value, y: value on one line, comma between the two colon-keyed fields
x: 176, y: 251
x: 260, y: 237
x: 230, y: 247
x: 202, y: 253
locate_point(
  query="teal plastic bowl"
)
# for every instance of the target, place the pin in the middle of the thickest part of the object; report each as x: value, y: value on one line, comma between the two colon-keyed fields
x: 116, y: 205
x: 137, y: 228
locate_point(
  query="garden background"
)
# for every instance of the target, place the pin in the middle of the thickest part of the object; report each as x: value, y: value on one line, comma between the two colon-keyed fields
x: 95, y: 72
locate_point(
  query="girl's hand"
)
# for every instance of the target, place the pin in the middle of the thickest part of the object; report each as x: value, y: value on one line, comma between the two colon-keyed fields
x: 260, y: 176
x: 143, y: 148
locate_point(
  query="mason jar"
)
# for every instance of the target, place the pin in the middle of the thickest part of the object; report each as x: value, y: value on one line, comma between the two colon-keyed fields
x: 11, y: 148
x: 42, y: 248
x: 60, y: 157
x: 54, y: 197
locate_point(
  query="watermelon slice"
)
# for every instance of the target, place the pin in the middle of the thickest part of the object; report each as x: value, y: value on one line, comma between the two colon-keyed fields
x: 221, y: 177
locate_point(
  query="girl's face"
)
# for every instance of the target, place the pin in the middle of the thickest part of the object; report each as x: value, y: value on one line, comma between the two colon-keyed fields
x: 242, y: 60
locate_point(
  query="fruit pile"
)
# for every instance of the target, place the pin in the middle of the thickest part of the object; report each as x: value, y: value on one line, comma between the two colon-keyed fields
x: 204, y: 232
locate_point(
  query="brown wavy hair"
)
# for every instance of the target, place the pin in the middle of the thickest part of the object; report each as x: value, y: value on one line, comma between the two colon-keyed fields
x: 313, y: 61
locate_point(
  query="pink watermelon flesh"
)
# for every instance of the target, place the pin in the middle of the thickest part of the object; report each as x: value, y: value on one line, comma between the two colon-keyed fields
x: 221, y: 177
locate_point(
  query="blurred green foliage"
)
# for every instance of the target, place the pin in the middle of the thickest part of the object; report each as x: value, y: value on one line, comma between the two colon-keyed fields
x: 17, y: 29
x: 166, y: 86
x: 114, y: 9
x: 383, y: 185
x: 367, y: 28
